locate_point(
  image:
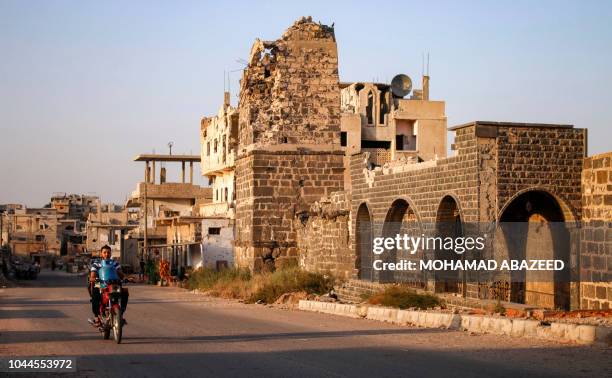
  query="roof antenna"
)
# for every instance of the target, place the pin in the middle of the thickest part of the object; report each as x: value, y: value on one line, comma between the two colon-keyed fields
x: 427, y: 63
x: 422, y: 63
x: 170, y: 144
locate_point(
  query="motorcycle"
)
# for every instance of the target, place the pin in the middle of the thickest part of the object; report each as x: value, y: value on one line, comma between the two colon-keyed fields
x: 110, y: 309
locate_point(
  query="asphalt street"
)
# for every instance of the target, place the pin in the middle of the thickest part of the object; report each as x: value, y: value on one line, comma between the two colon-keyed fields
x: 175, y: 333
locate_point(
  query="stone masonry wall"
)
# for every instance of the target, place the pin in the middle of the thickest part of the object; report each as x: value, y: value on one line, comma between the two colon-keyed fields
x: 493, y: 164
x: 274, y: 188
x: 547, y: 158
x: 323, y: 237
x: 289, y: 93
x: 596, y: 241
x: 289, y: 151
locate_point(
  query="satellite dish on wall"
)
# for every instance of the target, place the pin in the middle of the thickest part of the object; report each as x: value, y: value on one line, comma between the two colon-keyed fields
x: 401, y: 85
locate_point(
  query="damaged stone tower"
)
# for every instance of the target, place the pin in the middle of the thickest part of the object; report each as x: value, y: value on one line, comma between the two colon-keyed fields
x: 289, y: 151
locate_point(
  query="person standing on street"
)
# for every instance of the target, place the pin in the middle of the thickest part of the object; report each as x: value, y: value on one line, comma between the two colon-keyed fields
x: 142, y: 269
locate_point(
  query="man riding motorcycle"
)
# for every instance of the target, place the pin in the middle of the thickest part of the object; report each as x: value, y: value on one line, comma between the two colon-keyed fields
x: 109, y: 267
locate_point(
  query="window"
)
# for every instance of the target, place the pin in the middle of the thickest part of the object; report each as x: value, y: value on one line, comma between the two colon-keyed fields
x: 383, y: 107
x: 343, y: 138
x: 215, y: 148
x: 370, y: 108
x: 214, y: 230
x: 225, y: 194
x: 207, y: 148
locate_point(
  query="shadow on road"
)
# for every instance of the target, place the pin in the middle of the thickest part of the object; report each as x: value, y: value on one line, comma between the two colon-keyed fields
x: 352, y: 362
x: 276, y: 336
x: 13, y: 337
x: 25, y: 314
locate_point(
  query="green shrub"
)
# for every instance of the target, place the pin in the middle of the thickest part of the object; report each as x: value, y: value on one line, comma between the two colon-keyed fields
x: 265, y: 287
x: 401, y: 297
x: 207, y: 278
x: 287, y: 280
x: 499, y: 308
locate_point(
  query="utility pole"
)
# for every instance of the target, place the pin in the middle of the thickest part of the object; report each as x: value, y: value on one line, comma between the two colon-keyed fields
x: 1, y: 228
x: 145, y: 247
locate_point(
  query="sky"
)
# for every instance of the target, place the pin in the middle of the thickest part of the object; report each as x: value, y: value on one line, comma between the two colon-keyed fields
x: 85, y: 86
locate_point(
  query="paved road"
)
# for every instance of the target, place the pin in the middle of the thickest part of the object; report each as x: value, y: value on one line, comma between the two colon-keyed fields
x: 172, y: 332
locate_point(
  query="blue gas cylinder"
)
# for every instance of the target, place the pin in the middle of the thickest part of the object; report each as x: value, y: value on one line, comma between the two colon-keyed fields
x: 107, y: 271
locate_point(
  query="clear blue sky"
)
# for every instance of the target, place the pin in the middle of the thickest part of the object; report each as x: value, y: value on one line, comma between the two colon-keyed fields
x: 85, y: 86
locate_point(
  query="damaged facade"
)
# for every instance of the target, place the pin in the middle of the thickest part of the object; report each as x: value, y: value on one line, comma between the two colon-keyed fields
x: 323, y: 167
x: 289, y: 152
x: 158, y: 204
x: 219, y: 141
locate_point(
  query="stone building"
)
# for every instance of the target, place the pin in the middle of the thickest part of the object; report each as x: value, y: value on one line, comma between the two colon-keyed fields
x: 289, y: 152
x: 323, y: 167
x: 219, y: 141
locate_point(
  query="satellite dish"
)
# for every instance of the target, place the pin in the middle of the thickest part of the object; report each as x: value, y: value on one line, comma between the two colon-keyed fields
x: 401, y: 85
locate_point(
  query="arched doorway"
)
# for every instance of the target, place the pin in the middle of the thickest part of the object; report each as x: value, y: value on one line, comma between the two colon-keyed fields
x: 363, y: 241
x: 401, y: 219
x: 448, y: 225
x: 533, y: 228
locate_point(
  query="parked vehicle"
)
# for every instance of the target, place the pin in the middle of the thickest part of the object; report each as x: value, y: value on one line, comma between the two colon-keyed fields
x: 24, y: 270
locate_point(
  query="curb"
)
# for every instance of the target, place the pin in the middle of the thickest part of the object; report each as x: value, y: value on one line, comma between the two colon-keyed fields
x: 561, y: 332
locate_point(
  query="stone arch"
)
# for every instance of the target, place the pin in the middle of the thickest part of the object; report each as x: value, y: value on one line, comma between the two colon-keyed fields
x: 532, y: 226
x: 363, y: 243
x: 449, y: 224
x: 569, y: 213
x: 401, y: 218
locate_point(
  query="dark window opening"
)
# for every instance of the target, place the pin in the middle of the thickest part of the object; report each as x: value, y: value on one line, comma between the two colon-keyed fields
x: 343, y: 138
x: 214, y: 230
x: 370, y: 108
x: 399, y: 142
x: 383, y: 107
x: 375, y: 144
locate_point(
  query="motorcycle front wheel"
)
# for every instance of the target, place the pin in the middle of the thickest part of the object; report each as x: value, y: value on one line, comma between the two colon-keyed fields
x: 117, y: 325
x: 107, y: 330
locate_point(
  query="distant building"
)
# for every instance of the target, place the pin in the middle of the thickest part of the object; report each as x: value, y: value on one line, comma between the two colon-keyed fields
x: 162, y: 200
x: 218, y: 141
